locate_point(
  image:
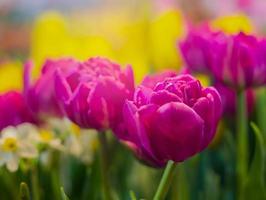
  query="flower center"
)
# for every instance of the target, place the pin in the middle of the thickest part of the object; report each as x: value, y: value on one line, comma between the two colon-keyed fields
x: 75, y: 129
x: 46, y: 135
x: 10, y: 144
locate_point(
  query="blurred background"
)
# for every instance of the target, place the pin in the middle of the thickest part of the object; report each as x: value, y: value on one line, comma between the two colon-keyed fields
x: 143, y: 33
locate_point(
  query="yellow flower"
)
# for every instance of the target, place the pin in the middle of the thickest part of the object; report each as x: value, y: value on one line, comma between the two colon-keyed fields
x: 233, y: 24
x: 11, y: 76
x: 165, y: 31
x: 116, y: 38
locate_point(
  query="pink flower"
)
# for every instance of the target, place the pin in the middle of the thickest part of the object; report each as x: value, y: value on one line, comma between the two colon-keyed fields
x: 40, y: 95
x: 235, y: 60
x: 242, y: 64
x: 13, y: 110
x: 229, y: 98
x: 173, y: 120
x: 200, y: 48
x: 93, y: 94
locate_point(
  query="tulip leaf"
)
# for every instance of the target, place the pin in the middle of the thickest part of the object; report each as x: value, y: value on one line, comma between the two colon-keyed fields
x: 24, y: 193
x: 63, y: 194
x: 132, y: 195
x: 254, y: 186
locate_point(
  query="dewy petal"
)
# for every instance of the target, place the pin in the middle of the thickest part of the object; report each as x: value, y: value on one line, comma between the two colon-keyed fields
x: 176, y: 132
x: 12, y: 163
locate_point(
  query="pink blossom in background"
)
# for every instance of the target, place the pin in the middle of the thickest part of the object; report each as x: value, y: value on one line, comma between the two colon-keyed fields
x: 93, y: 94
x: 13, y: 110
x: 40, y: 94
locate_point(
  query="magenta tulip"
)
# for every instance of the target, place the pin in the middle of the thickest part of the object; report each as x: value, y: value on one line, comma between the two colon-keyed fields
x: 243, y: 62
x: 235, y: 60
x: 150, y: 81
x: 173, y: 120
x: 229, y: 99
x: 13, y: 110
x: 93, y: 94
x: 40, y: 95
x: 200, y: 48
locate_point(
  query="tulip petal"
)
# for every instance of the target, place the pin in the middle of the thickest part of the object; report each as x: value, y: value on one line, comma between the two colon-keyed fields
x: 176, y: 132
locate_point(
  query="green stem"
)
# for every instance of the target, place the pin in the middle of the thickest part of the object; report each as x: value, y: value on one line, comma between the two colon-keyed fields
x: 104, y: 166
x: 261, y: 111
x: 35, y: 182
x: 166, y: 180
x: 242, y: 142
x: 24, y: 193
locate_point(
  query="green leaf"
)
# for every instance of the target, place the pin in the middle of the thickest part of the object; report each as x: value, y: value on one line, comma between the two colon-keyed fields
x: 132, y: 195
x: 254, y: 186
x: 63, y: 194
x: 24, y: 193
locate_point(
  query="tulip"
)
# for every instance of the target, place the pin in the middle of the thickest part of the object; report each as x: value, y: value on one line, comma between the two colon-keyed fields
x: 40, y: 95
x: 93, y: 94
x: 235, y: 60
x: 229, y: 99
x: 151, y: 80
x: 174, y: 120
x: 13, y: 110
x: 242, y: 64
x: 200, y: 48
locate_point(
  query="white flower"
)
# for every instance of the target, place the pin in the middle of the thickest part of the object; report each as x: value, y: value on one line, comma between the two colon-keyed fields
x: 81, y: 143
x: 17, y: 142
x: 49, y: 138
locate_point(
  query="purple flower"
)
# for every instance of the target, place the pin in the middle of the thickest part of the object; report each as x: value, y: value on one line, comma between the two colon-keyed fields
x: 200, y: 47
x: 235, y: 60
x: 13, y: 110
x: 93, y: 94
x: 229, y: 98
x: 174, y: 120
x: 243, y: 62
x: 40, y: 95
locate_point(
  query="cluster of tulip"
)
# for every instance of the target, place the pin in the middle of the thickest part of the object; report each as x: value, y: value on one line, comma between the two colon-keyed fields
x: 166, y: 119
